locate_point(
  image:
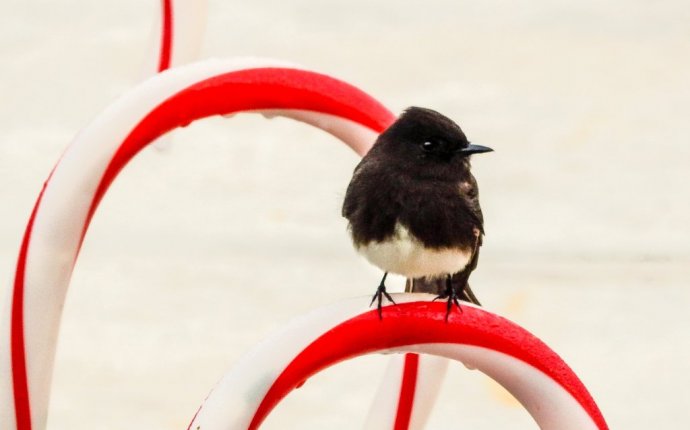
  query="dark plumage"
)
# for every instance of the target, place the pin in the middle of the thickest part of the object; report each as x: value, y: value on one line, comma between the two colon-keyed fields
x: 413, y: 205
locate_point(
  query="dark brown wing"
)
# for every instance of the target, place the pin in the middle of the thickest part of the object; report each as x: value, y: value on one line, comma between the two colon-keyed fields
x: 471, y: 194
x: 350, y: 202
x: 370, y: 203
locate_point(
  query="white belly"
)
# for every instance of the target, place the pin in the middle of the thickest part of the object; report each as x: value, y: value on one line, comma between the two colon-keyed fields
x: 405, y: 255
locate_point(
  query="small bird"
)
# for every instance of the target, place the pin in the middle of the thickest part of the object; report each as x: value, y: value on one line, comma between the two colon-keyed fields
x: 413, y: 206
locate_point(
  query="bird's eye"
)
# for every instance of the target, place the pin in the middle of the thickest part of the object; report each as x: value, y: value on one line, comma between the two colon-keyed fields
x: 430, y: 145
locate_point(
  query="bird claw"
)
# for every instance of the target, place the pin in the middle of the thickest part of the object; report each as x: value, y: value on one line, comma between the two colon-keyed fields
x: 378, y: 296
x: 452, y: 298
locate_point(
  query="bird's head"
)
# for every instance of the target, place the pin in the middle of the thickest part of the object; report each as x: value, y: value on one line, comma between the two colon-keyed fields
x: 424, y: 136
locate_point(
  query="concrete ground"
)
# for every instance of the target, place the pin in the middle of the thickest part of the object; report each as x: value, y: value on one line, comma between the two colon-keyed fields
x: 206, y: 245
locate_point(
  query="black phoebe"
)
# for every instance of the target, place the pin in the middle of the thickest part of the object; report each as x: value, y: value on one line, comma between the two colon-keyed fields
x: 413, y: 206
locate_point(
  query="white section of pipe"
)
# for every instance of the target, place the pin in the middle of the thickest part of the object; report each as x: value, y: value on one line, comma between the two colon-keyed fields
x: 6, y: 383
x: 430, y: 376
x: 383, y: 409
x: 189, y: 24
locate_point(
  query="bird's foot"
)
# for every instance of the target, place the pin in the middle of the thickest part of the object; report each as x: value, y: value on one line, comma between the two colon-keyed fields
x: 452, y: 297
x: 379, y: 295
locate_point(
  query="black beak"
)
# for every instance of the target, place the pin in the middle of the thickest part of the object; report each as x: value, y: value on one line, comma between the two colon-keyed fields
x: 474, y: 149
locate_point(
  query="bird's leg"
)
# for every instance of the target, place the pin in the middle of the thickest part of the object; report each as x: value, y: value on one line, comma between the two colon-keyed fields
x: 462, y: 287
x: 451, y: 295
x: 379, y: 294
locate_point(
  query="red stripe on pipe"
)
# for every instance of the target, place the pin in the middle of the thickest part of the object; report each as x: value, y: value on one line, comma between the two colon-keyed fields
x: 407, y: 391
x: 22, y: 402
x: 189, y: 427
x: 420, y: 323
x: 166, y: 35
x: 246, y: 90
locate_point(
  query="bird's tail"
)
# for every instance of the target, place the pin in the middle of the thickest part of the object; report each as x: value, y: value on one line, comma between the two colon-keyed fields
x: 469, y: 295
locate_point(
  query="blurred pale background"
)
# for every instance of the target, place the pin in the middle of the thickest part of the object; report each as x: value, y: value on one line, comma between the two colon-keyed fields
x: 208, y: 243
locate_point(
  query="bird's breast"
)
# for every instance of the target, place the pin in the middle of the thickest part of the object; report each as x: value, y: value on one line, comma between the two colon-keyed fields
x: 404, y: 254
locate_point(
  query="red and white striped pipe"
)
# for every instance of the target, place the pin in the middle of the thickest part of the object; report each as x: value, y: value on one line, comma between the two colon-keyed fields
x: 76, y: 185
x: 177, y: 35
x: 525, y: 366
x: 407, y: 392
